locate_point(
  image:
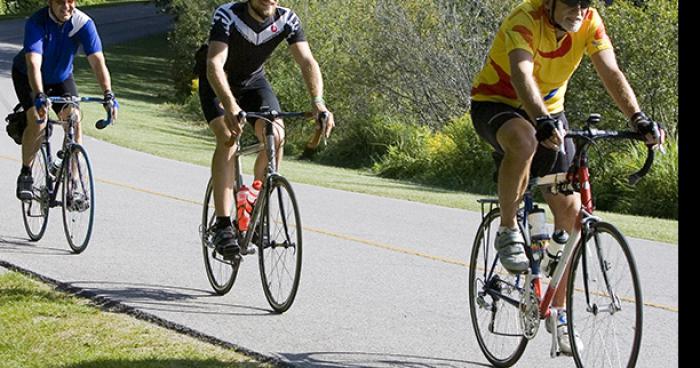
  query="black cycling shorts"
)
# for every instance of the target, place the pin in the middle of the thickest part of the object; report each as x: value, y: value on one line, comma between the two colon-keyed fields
x: 488, y: 117
x: 24, y: 90
x: 255, y: 96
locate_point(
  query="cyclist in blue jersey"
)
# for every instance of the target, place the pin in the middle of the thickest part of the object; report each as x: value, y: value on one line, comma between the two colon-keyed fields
x: 44, y: 67
x: 242, y: 37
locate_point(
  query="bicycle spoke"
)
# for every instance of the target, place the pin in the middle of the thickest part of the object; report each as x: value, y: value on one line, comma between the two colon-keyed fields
x: 608, y: 313
x: 495, y: 321
x: 220, y: 273
x: 280, y: 255
x: 78, y: 199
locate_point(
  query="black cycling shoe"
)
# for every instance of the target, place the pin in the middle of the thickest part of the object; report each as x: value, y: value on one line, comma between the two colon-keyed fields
x: 25, y: 185
x: 225, y: 242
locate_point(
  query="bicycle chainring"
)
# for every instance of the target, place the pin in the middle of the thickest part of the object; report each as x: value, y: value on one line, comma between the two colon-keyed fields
x: 529, y: 311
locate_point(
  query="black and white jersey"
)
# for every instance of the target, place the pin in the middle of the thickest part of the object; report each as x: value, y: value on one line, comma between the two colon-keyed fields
x: 250, y: 43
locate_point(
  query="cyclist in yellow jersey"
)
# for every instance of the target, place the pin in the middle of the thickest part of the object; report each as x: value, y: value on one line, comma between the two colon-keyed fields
x: 517, y: 106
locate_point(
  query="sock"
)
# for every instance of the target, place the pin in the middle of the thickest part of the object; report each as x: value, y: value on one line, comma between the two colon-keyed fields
x: 26, y: 170
x: 223, y: 221
x: 505, y: 228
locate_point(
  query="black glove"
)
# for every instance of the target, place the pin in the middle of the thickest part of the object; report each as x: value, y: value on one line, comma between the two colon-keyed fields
x: 545, y: 125
x: 641, y: 123
x: 110, y: 100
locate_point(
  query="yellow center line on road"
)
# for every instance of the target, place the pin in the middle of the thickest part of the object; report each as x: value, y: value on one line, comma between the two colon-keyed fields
x: 393, y: 248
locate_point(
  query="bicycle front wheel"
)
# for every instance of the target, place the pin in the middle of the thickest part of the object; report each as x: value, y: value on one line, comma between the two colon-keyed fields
x: 35, y: 213
x: 494, y: 294
x: 280, y: 244
x: 220, y: 272
x: 78, y: 198
x: 604, y: 300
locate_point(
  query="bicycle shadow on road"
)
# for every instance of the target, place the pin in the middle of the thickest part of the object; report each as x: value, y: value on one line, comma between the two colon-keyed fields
x: 14, y: 245
x: 359, y: 359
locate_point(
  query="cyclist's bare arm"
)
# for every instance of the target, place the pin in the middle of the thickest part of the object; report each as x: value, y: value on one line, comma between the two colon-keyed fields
x: 99, y: 67
x: 311, y: 73
x: 523, y: 80
x: 34, y: 73
x: 605, y: 64
x: 615, y: 82
x: 216, y: 59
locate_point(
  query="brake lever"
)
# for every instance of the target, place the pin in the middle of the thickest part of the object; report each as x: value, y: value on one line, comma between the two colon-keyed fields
x: 323, y: 121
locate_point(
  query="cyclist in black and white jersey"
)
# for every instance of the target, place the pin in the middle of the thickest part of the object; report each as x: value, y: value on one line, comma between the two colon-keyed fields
x: 242, y: 37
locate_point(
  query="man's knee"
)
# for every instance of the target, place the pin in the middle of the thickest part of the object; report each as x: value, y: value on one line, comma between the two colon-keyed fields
x: 517, y: 137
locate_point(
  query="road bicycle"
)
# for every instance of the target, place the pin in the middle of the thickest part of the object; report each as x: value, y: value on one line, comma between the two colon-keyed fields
x: 603, y: 295
x: 274, y: 227
x: 72, y: 172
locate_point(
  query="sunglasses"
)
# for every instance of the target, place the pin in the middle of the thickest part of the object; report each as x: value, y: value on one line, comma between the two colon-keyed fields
x: 584, y: 3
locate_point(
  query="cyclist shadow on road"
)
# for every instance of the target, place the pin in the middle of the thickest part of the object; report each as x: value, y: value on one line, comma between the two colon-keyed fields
x: 152, y: 363
x: 161, y: 298
x: 359, y: 359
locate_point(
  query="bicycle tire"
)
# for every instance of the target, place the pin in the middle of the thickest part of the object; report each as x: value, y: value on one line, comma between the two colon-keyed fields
x: 593, y: 267
x: 280, y: 240
x: 78, y: 198
x: 35, y: 213
x: 221, y: 274
x: 481, y: 265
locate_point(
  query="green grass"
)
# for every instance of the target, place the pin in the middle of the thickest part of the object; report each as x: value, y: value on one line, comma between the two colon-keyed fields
x: 40, y: 327
x: 149, y: 123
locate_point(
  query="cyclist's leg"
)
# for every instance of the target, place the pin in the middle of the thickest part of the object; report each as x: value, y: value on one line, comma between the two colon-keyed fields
x: 564, y: 207
x: 223, y: 163
x: 31, y: 139
x: 259, y: 96
x: 565, y: 211
x: 507, y: 130
x: 261, y: 160
x: 67, y: 88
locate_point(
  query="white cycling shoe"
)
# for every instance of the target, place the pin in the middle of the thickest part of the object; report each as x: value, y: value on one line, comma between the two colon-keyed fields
x: 563, y: 334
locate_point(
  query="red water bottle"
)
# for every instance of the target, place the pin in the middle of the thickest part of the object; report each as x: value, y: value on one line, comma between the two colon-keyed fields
x: 242, y: 215
x: 253, y: 194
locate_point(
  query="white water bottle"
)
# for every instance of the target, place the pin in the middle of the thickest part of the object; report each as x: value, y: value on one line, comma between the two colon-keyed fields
x: 554, y: 252
x: 539, y: 236
x: 55, y: 166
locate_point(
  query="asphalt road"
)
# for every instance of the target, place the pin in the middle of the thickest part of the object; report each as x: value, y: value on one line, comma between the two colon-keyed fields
x: 384, y: 281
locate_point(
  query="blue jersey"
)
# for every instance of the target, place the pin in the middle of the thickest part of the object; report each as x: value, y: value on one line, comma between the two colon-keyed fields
x: 57, y: 43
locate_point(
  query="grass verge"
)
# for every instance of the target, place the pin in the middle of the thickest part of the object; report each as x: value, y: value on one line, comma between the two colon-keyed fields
x: 148, y: 122
x: 45, y: 328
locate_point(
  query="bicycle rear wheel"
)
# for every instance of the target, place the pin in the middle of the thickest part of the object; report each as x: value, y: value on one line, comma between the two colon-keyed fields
x: 604, y: 300
x: 495, y: 320
x: 35, y: 213
x: 78, y: 198
x: 220, y: 272
x: 280, y: 244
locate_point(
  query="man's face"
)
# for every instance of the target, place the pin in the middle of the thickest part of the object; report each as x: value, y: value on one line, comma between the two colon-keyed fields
x: 570, y: 14
x: 62, y: 9
x: 263, y: 8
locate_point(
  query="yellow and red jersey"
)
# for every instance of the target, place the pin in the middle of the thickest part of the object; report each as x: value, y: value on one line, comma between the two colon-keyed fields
x: 528, y: 28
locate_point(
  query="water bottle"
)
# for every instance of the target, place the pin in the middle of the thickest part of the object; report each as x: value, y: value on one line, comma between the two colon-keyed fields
x: 243, y: 215
x: 55, y: 166
x: 539, y: 237
x: 253, y: 195
x: 554, y: 252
